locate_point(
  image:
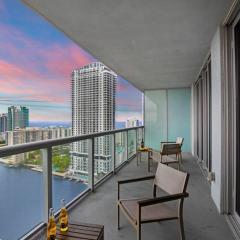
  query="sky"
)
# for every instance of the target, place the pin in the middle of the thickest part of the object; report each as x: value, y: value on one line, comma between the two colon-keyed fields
x: 36, y: 61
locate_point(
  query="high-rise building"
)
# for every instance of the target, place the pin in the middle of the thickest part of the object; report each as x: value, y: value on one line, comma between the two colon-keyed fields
x: 132, y: 123
x: 18, y: 117
x: 3, y: 122
x: 26, y: 135
x: 93, y: 110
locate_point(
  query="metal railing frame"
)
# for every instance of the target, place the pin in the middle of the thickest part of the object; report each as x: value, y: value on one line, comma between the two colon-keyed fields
x: 46, y: 147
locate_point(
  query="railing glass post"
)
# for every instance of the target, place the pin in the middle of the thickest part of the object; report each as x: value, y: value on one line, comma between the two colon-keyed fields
x: 91, y: 163
x: 47, y: 180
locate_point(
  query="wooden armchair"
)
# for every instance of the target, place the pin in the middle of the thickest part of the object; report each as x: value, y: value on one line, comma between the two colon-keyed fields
x: 140, y: 211
x: 167, y: 148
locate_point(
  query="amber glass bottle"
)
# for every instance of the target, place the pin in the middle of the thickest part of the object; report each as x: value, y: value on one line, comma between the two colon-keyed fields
x: 51, y: 228
x: 63, y: 218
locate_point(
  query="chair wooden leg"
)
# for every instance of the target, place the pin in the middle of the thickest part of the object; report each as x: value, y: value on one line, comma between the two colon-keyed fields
x: 118, y: 218
x: 179, y: 164
x: 181, y: 157
x: 139, y: 232
x: 181, y: 228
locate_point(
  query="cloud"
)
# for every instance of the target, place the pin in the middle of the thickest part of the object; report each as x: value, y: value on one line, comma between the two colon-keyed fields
x: 40, y: 70
x: 34, y: 67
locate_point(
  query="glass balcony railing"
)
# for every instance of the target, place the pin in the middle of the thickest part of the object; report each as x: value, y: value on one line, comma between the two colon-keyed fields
x: 120, y: 148
x: 132, y: 142
x: 51, y: 170
x: 21, y: 198
x: 67, y: 179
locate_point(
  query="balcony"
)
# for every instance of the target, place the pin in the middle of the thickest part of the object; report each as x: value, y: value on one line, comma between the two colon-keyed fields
x: 97, y: 204
x: 184, y: 55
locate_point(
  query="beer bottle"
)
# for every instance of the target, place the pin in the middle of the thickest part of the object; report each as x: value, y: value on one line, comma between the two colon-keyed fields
x: 63, y: 218
x: 51, y: 228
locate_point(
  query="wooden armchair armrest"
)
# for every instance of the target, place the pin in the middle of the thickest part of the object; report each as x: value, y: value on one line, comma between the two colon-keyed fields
x: 157, y: 200
x: 168, y: 142
x: 133, y: 180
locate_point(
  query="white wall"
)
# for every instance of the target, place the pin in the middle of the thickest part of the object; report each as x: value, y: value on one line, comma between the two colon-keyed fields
x: 216, y: 118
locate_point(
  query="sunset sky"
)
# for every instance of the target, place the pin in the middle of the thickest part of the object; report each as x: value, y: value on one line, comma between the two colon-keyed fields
x: 36, y: 61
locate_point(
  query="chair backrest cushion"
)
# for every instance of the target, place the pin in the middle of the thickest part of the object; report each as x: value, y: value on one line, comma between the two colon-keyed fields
x: 180, y: 140
x: 170, y: 180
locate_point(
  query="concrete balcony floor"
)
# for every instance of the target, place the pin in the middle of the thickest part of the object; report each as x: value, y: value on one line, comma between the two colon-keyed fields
x: 201, y: 218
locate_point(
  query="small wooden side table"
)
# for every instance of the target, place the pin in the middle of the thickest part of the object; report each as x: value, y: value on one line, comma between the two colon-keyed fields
x: 144, y: 150
x: 81, y: 231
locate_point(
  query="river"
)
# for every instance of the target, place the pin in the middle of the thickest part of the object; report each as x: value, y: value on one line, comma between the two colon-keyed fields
x: 21, y: 199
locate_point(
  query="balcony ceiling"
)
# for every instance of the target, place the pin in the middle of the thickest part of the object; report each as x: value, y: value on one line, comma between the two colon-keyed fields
x: 153, y: 44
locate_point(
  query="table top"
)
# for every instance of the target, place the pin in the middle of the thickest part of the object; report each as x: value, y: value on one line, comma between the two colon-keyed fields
x: 80, y: 231
x: 145, y: 149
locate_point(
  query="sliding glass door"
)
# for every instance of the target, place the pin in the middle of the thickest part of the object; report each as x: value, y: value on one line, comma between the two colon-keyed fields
x: 202, y: 116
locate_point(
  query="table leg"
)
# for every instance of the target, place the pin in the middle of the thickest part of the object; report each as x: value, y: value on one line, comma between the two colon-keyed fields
x: 137, y: 157
x: 148, y: 161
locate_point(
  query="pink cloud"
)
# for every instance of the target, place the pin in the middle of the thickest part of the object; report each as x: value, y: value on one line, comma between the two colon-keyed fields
x: 38, y: 67
x: 121, y: 86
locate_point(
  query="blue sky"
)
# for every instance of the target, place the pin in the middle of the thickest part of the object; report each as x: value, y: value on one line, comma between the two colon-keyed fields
x: 36, y: 61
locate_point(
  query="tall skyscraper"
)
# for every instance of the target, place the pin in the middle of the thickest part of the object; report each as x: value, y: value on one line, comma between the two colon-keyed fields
x: 93, y: 110
x: 3, y: 122
x: 18, y: 117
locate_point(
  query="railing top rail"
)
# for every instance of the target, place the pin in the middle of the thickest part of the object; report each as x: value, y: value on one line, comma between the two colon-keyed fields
x: 27, y: 147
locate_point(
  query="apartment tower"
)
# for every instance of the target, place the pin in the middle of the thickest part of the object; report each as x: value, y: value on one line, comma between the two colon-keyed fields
x: 3, y: 122
x: 93, y: 110
x: 18, y: 117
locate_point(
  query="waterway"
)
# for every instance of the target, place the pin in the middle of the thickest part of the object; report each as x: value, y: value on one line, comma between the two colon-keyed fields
x: 21, y: 199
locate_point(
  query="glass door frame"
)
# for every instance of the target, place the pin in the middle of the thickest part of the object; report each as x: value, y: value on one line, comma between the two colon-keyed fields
x: 236, y: 215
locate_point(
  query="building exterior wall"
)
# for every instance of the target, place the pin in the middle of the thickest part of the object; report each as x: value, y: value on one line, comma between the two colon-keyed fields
x: 93, y: 110
x: 18, y: 117
x: 3, y: 122
x: 132, y: 123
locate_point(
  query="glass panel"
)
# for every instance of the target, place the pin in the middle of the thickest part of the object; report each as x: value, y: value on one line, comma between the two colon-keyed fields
x: 103, y: 163
x: 21, y: 194
x: 155, y: 118
x: 120, y: 148
x: 140, y: 136
x: 179, y: 101
x: 131, y: 143
x: 69, y: 170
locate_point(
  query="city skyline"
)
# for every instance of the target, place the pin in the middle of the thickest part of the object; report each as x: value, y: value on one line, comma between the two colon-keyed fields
x: 36, y: 62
